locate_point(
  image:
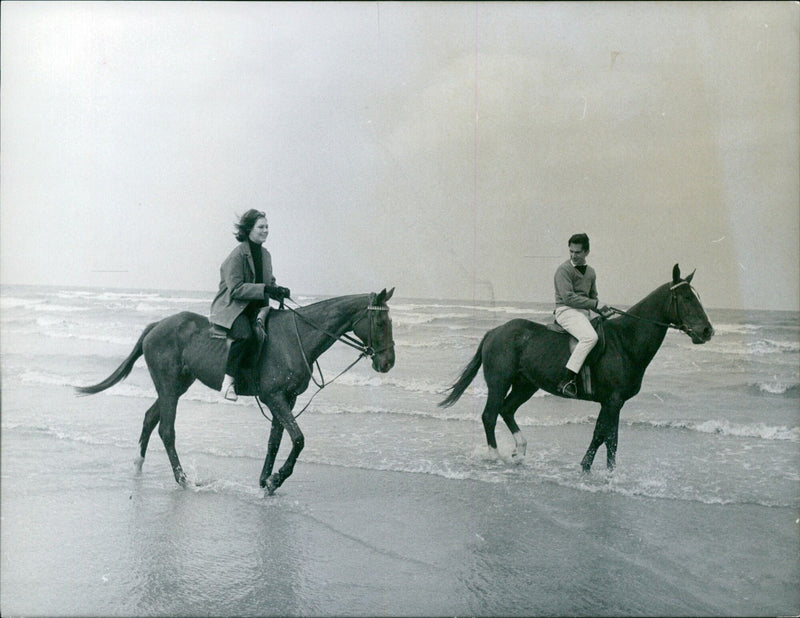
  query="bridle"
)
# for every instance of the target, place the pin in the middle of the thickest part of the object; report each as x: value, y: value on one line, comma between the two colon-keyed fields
x: 369, y: 350
x: 678, y: 323
x: 366, y: 350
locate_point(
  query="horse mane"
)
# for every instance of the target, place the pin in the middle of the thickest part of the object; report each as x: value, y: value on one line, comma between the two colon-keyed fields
x: 649, y: 299
x: 335, y: 300
x: 338, y: 305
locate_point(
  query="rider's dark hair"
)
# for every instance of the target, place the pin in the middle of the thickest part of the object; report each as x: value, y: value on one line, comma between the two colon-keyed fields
x: 579, y: 239
x: 247, y: 222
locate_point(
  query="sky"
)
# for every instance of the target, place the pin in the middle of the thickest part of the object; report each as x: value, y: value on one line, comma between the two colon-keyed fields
x: 445, y: 149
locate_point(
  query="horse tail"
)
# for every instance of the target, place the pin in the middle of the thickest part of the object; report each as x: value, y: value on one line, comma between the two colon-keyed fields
x: 467, y: 376
x: 122, y: 371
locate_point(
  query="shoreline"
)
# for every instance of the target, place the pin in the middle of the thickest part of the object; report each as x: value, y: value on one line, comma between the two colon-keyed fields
x: 343, y: 541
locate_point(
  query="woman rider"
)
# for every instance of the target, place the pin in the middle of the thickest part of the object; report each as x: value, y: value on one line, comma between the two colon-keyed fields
x: 246, y: 285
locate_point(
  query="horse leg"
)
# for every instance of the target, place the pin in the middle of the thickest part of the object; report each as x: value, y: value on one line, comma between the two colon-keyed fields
x: 604, y: 429
x: 521, y: 391
x: 494, y: 402
x: 151, y: 418
x: 611, y: 440
x: 170, y: 385
x: 166, y: 429
x: 282, y: 411
x: 275, y: 437
x: 171, y: 381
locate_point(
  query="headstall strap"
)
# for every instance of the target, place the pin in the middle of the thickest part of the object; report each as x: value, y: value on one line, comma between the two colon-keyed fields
x: 370, y: 351
x: 679, y: 325
x: 673, y: 298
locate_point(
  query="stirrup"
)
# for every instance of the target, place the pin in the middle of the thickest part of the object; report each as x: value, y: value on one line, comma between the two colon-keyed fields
x: 230, y: 393
x: 568, y: 389
x: 229, y: 389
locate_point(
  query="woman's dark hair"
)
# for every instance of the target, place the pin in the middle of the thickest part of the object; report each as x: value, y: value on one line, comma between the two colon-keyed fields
x: 579, y: 239
x: 246, y: 223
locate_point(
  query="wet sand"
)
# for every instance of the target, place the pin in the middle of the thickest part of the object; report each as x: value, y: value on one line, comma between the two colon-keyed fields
x: 345, y: 542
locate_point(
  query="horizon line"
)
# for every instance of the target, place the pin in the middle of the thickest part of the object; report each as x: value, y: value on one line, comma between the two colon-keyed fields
x: 322, y: 295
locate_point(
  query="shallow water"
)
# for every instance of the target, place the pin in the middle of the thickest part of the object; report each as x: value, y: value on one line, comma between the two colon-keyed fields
x: 707, y: 487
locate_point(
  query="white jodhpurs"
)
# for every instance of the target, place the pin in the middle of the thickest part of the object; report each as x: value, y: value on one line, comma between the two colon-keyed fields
x: 576, y: 323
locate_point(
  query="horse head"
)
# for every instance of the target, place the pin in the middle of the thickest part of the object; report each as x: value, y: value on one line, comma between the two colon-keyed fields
x: 685, y: 309
x: 375, y: 332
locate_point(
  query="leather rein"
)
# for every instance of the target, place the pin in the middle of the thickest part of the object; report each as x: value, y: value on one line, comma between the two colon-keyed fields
x: 345, y: 338
x: 353, y: 342
x: 678, y: 324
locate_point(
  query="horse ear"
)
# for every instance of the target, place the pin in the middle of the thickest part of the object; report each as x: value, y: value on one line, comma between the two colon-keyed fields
x: 689, y: 278
x: 676, y: 274
x: 388, y: 295
x: 380, y: 298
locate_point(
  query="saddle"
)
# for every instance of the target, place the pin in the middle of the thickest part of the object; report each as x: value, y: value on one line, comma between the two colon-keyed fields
x: 584, y: 381
x: 247, y: 376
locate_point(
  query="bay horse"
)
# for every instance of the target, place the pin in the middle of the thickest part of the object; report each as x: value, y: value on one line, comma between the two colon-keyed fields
x: 521, y: 356
x: 181, y: 349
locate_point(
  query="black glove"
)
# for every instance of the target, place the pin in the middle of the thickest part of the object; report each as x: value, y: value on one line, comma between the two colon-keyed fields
x: 276, y: 292
x: 272, y: 291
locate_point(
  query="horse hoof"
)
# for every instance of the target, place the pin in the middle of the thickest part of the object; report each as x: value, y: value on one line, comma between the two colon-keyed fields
x: 271, y: 486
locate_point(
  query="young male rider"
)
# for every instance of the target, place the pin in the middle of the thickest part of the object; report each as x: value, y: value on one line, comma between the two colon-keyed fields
x: 576, y: 295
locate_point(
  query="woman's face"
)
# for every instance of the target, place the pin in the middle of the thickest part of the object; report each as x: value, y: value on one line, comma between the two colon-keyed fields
x: 260, y: 231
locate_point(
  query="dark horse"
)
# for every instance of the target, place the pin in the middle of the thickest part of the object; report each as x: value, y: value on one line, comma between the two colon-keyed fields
x: 521, y: 356
x: 180, y: 349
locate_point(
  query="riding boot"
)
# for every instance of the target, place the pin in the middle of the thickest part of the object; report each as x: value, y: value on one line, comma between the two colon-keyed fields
x: 229, y: 388
x: 567, y: 387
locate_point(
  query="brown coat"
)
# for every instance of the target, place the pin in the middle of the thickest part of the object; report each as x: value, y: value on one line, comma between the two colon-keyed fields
x: 237, y: 287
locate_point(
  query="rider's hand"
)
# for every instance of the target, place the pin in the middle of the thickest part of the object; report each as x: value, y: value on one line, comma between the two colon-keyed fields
x: 272, y: 291
x: 605, y: 311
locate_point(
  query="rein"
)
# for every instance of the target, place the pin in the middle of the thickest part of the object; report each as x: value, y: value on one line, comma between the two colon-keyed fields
x: 353, y: 342
x: 345, y: 338
x: 673, y: 299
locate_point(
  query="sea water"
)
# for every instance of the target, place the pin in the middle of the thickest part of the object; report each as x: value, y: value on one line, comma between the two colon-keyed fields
x: 714, y: 424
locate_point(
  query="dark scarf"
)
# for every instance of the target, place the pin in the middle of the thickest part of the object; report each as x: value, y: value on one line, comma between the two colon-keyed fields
x: 581, y: 269
x: 255, y: 250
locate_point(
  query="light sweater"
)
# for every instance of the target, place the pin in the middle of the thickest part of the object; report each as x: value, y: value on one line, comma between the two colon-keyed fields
x: 574, y: 289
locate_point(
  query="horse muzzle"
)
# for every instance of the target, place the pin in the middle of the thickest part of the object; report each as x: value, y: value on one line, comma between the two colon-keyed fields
x: 704, y: 335
x: 384, y: 361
